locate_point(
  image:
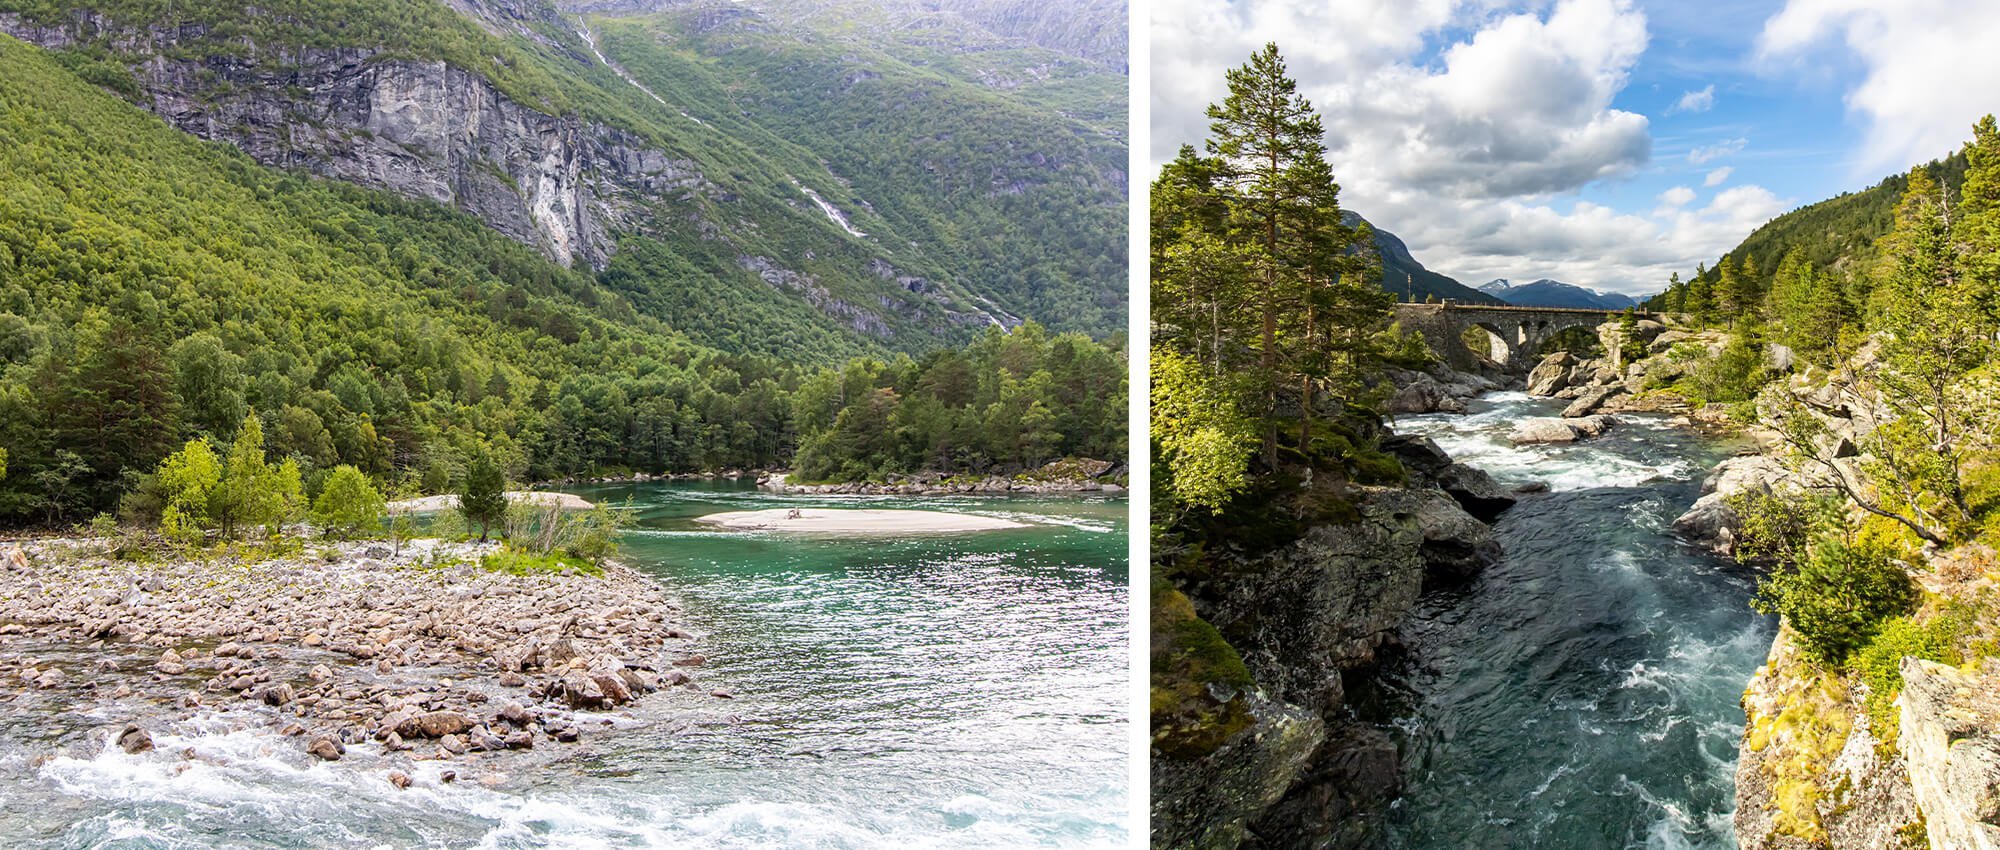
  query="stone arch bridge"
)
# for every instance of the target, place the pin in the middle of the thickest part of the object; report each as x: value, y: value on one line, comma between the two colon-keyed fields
x: 1515, y: 333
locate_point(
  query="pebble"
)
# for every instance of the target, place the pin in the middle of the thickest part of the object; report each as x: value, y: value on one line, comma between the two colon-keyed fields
x: 567, y: 642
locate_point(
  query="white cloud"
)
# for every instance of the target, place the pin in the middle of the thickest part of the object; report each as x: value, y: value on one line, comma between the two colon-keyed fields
x: 1716, y: 151
x: 1931, y: 69
x: 1695, y: 101
x: 1470, y: 151
x: 1716, y: 177
x: 1522, y: 106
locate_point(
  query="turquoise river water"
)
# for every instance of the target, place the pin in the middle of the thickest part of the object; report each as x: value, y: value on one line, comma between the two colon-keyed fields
x: 930, y: 692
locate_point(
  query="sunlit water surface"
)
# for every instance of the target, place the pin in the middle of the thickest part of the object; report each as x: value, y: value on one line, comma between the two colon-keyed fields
x: 935, y: 692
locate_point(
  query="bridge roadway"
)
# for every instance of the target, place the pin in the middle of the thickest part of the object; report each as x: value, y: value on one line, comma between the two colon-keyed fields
x: 1516, y: 333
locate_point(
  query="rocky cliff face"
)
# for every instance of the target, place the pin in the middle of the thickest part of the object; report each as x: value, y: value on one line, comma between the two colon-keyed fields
x: 419, y: 129
x: 1308, y: 619
x: 1951, y: 738
x: 1810, y: 772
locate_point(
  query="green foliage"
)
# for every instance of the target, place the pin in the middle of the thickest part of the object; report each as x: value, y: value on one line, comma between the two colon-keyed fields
x: 1780, y: 526
x: 1257, y: 275
x: 348, y: 504
x: 1735, y: 374
x: 393, y: 336
x: 483, y: 499
x: 450, y: 525
x: 1204, y: 442
x: 187, y: 481
x: 1009, y: 401
x: 517, y: 562
x: 1879, y: 663
x: 542, y: 529
x: 1837, y: 599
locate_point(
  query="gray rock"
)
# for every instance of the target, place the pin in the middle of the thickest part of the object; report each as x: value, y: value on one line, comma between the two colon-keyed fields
x: 1551, y: 375
x: 1950, y: 736
x: 134, y: 740
x: 1542, y: 430
x: 1475, y: 491
x: 1592, y: 399
x: 326, y: 748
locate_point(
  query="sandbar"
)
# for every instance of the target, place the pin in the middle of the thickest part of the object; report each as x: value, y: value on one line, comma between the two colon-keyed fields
x: 856, y: 521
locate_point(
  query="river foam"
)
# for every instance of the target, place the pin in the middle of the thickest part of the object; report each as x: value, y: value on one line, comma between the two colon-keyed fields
x: 1582, y: 692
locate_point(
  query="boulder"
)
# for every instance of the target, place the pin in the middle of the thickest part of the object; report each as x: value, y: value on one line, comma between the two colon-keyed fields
x: 435, y: 724
x: 1710, y: 523
x: 1542, y: 430
x: 326, y: 748
x: 134, y: 739
x: 1424, y: 394
x: 1592, y: 426
x: 1950, y: 736
x: 1592, y: 399
x: 1456, y: 547
x: 1475, y: 491
x: 1552, y: 374
x: 1418, y: 454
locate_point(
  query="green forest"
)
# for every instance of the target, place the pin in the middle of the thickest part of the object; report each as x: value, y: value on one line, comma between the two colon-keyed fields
x: 1004, y: 199
x: 156, y: 289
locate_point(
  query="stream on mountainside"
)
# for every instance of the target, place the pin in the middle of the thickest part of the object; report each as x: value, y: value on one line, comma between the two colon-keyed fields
x: 1583, y: 692
x: 923, y: 692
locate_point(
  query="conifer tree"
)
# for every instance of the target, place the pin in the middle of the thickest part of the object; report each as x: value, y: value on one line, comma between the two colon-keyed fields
x: 483, y: 499
x: 1282, y: 213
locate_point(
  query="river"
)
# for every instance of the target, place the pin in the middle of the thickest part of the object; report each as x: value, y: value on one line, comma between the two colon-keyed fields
x: 945, y: 691
x: 1584, y: 692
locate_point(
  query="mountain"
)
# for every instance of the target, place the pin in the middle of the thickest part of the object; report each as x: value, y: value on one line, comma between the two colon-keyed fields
x: 1836, y: 233
x: 398, y: 299
x: 805, y: 178
x: 1406, y: 278
x: 1555, y: 293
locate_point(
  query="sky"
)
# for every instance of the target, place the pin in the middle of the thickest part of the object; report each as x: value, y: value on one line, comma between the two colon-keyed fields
x: 1606, y: 143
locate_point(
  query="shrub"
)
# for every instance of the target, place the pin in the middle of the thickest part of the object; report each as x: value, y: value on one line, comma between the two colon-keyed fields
x: 1778, y: 527
x: 1880, y: 663
x: 348, y: 503
x: 1837, y: 598
x: 484, y: 496
x: 449, y: 525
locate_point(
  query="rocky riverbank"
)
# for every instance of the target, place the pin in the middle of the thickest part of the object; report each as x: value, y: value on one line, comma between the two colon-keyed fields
x: 1276, y: 755
x: 349, y: 651
x: 1068, y: 476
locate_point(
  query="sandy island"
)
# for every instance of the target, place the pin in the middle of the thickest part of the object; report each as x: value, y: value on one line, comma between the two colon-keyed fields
x: 432, y: 504
x: 856, y: 521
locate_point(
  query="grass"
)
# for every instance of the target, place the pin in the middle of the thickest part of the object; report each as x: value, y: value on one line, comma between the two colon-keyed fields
x: 516, y: 562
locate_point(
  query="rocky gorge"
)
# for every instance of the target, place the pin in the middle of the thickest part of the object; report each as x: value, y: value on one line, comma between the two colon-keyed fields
x: 1816, y: 766
x: 1277, y: 751
x: 351, y: 652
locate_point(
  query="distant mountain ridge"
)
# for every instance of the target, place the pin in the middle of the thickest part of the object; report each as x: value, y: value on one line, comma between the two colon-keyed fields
x: 1406, y: 278
x: 1555, y: 293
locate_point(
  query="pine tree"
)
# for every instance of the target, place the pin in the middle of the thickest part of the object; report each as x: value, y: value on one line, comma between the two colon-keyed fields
x: 483, y: 499
x: 1270, y: 167
x: 1700, y: 299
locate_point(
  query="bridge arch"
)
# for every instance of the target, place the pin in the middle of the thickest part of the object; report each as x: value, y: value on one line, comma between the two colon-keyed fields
x: 1516, y: 332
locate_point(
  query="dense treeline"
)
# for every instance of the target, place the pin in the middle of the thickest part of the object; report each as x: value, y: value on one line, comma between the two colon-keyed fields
x: 1267, y: 319
x: 155, y: 289
x: 993, y: 198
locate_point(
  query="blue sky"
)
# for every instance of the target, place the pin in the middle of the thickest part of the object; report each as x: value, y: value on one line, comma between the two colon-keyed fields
x: 1607, y: 143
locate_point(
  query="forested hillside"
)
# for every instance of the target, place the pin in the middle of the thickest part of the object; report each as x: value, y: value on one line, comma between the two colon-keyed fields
x: 1837, y: 235
x: 795, y: 179
x: 156, y: 288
